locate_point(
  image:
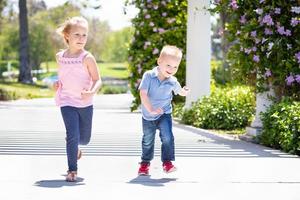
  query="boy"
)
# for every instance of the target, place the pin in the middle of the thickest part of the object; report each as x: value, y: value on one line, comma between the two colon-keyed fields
x: 156, y: 95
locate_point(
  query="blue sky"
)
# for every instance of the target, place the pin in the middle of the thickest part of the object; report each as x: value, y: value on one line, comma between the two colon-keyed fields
x: 111, y: 11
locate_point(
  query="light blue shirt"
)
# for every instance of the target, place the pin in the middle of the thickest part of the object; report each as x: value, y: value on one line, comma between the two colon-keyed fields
x: 159, y: 92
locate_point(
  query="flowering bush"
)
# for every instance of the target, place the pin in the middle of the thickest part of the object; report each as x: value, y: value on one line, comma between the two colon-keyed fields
x: 159, y: 22
x: 281, y: 126
x: 265, y: 42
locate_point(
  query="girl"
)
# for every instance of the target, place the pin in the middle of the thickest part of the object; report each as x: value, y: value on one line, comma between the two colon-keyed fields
x: 78, y: 81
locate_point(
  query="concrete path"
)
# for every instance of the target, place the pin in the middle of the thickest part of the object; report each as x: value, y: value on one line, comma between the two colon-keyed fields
x: 210, y: 167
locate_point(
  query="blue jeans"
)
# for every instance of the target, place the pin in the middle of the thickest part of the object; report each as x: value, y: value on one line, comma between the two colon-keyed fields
x: 78, y: 123
x: 164, y: 125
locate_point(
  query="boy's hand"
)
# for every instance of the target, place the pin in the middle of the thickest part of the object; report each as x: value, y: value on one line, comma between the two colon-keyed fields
x: 185, y: 90
x: 86, y: 94
x: 157, y: 111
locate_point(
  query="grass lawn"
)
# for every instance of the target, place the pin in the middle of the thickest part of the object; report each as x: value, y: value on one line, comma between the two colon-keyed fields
x: 23, y: 91
x: 13, y: 90
x: 112, y: 70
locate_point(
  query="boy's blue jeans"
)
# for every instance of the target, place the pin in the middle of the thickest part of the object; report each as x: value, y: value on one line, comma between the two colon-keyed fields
x: 78, y: 123
x: 164, y: 125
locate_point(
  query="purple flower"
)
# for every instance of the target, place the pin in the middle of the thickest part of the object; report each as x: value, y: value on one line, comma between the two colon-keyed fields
x: 297, y: 78
x: 238, y: 33
x: 261, y: 1
x: 155, y: 7
x: 270, y: 45
x: 221, y: 32
x: 254, y: 49
x: 259, y: 11
x: 164, y: 14
x: 268, y: 73
x: 151, y: 24
x: 289, y: 46
x: 277, y: 11
x: 253, y: 34
x: 161, y: 30
x: 247, y: 51
x: 234, y: 5
x: 148, y: 16
x: 171, y: 20
x: 268, y: 20
x: 294, y: 22
x: 289, y: 80
x: 256, y: 58
x: 296, y: 10
x: 280, y: 30
x: 155, y: 51
x: 243, y: 19
x: 146, y: 44
x: 263, y: 40
x: 297, y: 55
x: 288, y: 32
x: 268, y: 31
x: 257, y: 40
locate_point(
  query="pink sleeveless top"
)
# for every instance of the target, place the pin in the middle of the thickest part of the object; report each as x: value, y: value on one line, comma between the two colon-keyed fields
x: 74, y: 78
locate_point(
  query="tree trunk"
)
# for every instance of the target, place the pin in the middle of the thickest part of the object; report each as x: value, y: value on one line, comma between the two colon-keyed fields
x: 25, y: 69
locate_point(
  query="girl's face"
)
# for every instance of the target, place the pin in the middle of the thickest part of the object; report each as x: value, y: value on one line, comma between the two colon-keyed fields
x: 77, y: 37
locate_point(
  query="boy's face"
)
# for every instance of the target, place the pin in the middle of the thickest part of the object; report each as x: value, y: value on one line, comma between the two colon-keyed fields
x: 168, y: 65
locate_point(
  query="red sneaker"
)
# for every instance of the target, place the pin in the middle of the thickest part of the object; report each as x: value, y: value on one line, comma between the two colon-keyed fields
x: 168, y: 167
x: 144, y: 168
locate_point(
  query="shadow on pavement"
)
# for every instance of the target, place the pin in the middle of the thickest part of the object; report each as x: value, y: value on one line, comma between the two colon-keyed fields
x: 58, y: 183
x: 148, y: 181
x: 236, y: 148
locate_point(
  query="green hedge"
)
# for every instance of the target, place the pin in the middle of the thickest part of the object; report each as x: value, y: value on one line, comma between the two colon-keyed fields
x: 227, y: 109
x: 6, y: 95
x: 281, y: 126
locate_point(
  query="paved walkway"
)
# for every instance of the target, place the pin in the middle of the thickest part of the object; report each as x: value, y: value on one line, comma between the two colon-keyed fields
x: 210, y: 167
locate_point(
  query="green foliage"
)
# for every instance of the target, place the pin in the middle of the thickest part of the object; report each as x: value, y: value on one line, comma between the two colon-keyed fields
x: 113, y: 89
x: 158, y: 23
x: 264, y: 42
x: 98, y: 35
x: 219, y: 74
x: 116, y: 45
x: 227, y: 108
x: 281, y: 126
x: 3, y: 66
x: 13, y: 90
x: 6, y: 95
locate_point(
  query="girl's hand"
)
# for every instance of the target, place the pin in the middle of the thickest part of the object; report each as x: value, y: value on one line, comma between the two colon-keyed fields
x: 86, y: 94
x: 56, y: 85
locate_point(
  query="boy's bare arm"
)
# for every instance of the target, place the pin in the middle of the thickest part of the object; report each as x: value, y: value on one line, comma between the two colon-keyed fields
x: 184, y: 91
x: 147, y: 104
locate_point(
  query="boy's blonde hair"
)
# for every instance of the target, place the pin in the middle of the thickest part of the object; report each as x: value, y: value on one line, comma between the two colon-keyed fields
x: 65, y: 28
x: 171, y: 51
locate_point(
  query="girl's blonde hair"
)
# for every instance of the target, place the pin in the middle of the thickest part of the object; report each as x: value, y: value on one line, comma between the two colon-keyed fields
x: 171, y: 51
x: 65, y: 28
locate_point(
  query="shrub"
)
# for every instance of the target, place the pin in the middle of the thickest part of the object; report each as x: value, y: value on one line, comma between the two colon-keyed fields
x: 113, y: 89
x: 227, y: 108
x: 281, y: 126
x: 264, y: 38
x: 158, y: 23
x: 6, y: 95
